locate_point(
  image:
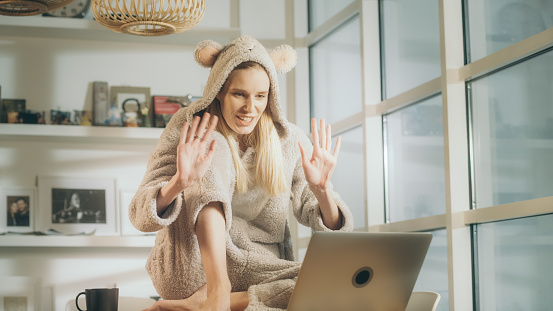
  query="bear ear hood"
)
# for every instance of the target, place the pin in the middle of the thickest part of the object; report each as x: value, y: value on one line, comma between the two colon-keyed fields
x: 223, y: 59
x: 284, y: 57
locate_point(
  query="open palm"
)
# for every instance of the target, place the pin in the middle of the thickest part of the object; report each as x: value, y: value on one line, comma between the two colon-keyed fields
x: 319, y: 168
x: 192, y: 158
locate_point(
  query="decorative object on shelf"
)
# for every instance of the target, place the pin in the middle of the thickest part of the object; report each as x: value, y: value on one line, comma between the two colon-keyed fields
x: 139, y: 95
x: 74, y: 9
x: 148, y: 17
x: 60, y: 117
x: 166, y: 106
x: 82, y: 117
x: 74, y: 205
x: 132, y: 117
x: 31, y: 117
x: 17, y: 209
x: 29, y: 7
x: 146, y: 116
x: 11, y: 109
x: 100, y: 102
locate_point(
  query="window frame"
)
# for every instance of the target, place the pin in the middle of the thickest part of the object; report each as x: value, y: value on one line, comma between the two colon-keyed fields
x: 456, y: 71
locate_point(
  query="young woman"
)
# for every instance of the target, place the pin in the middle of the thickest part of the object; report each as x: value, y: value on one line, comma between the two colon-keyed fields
x: 221, y: 180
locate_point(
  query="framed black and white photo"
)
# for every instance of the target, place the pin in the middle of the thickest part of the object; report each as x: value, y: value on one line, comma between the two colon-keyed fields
x: 72, y: 205
x: 17, y: 207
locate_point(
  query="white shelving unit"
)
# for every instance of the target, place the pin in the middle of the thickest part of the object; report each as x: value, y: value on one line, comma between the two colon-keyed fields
x: 85, y: 29
x: 146, y: 241
x: 88, y: 133
x: 52, y: 74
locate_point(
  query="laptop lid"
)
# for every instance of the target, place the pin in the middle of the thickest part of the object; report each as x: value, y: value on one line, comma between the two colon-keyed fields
x: 345, y: 271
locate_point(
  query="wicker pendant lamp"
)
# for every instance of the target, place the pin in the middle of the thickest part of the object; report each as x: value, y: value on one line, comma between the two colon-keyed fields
x: 29, y: 7
x: 148, y: 17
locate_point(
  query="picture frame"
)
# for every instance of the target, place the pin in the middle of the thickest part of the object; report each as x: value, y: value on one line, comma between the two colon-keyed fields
x: 166, y: 106
x: 18, y: 207
x: 77, y: 205
x: 19, y: 293
x: 11, y: 107
x: 139, y: 98
x: 59, y: 117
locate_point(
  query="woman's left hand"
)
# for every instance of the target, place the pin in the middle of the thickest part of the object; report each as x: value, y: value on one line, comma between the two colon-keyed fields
x: 319, y: 168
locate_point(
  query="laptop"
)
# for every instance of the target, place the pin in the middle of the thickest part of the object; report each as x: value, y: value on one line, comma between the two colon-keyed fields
x: 351, y: 271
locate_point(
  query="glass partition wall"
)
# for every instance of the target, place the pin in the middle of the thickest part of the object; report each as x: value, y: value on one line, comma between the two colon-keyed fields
x: 446, y: 114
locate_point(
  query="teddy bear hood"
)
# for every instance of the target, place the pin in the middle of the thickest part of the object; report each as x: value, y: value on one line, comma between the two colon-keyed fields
x: 223, y: 59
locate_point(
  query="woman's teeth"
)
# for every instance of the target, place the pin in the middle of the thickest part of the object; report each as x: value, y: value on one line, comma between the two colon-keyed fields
x: 246, y: 119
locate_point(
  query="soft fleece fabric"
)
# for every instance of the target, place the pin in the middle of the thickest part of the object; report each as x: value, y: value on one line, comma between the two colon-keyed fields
x: 259, y: 251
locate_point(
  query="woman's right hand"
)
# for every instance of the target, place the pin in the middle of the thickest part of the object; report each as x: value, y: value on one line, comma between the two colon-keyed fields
x: 192, y: 158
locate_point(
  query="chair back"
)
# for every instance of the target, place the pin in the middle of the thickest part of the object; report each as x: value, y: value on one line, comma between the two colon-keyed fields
x: 423, y: 301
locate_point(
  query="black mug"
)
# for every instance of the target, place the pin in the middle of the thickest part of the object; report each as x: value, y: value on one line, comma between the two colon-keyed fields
x: 100, y: 299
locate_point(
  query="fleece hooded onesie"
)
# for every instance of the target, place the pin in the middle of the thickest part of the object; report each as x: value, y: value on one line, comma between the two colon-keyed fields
x: 259, y: 251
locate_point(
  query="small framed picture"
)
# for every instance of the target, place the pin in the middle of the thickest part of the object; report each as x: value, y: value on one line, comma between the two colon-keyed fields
x: 59, y: 117
x: 11, y: 109
x: 72, y: 205
x: 130, y: 106
x: 166, y: 106
x: 18, y: 208
x: 18, y: 293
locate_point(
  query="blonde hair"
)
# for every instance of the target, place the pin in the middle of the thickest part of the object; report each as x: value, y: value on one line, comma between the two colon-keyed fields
x: 269, y: 168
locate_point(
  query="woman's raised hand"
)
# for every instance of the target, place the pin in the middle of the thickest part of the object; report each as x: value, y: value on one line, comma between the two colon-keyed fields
x: 192, y: 158
x: 319, y: 168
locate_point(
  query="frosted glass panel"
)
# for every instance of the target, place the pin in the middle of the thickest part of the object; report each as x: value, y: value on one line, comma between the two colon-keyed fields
x: 512, y: 115
x: 349, y: 176
x: 301, y: 254
x: 497, y: 24
x: 514, y: 264
x: 335, y: 71
x: 322, y: 10
x: 410, y: 44
x: 415, y: 161
x: 433, y: 275
x: 303, y: 231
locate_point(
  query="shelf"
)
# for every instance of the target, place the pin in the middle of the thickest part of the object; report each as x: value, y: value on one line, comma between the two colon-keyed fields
x: 76, y: 241
x: 85, y: 29
x: 85, y: 133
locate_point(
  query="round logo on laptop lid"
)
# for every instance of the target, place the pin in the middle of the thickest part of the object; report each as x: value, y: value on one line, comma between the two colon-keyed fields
x: 362, y: 277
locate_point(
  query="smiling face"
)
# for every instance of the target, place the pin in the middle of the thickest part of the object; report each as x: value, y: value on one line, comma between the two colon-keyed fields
x: 14, y: 208
x: 22, y: 206
x: 75, y: 200
x: 244, y: 99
